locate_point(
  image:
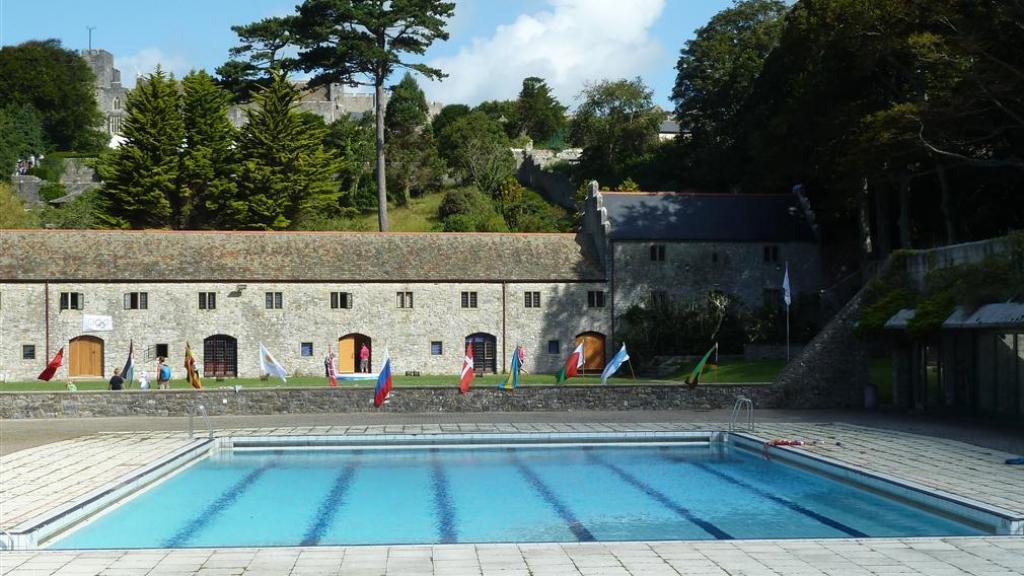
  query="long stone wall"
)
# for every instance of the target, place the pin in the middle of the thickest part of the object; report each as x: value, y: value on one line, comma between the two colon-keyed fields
x: 226, y: 401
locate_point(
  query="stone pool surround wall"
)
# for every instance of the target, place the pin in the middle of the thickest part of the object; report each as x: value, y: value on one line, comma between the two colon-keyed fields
x: 253, y: 401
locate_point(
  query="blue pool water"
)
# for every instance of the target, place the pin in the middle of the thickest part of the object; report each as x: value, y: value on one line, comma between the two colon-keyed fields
x: 565, y: 494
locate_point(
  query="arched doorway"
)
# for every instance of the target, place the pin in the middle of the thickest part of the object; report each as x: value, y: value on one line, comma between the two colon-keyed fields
x: 220, y: 356
x: 349, y: 346
x: 485, y: 352
x: 86, y: 357
x: 593, y: 350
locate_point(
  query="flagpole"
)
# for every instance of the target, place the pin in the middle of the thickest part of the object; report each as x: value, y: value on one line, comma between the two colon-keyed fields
x: 787, y: 333
x: 631, y: 371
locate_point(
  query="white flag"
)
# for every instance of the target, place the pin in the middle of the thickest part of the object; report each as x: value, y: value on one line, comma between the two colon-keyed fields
x: 271, y: 366
x: 785, y: 287
x: 96, y: 323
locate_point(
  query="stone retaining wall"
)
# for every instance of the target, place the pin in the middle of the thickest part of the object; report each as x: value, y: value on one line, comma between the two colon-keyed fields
x: 225, y: 401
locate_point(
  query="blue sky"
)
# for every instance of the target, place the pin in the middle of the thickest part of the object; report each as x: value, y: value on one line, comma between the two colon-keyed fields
x: 494, y: 44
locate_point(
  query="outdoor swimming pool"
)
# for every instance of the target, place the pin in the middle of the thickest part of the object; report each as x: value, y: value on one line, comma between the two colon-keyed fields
x: 422, y: 495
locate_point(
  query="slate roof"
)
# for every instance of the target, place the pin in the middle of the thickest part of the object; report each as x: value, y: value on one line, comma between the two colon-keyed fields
x: 1003, y: 315
x: 695, y: 216
x: 109, y: 255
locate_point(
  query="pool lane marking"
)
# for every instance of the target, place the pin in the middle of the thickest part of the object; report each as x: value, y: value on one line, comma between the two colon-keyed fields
x: 215, y: 508
x: 330, y: 505
x: 575, y: 526
x: 662, y: 499
x: 796, y: 507
x: 443, y: 504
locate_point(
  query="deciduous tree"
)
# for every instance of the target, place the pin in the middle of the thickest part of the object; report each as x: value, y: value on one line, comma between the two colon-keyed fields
x: 59, y: 85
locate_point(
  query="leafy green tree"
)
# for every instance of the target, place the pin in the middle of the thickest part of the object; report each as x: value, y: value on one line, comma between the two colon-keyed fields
x: 539, y: 115
x: 469, y: 210
x: 208, y: 161
x: 80, y: 212
x: 616, y: 121
x: 362, y: 42
x: 413, y: 164
x: 21, y: 134
x: 142, y: 176
x: 716, y: 74
x: 480, y: 151
x: 12, y: 210
x: 407, y: 109
x: 59, y: 85
x: 352, y: 140
x: 286, y: 173
x: 260, y: 49
x: 445, y: 117
x: 503, y: 112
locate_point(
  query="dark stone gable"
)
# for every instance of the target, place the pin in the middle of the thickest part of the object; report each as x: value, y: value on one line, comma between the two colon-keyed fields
x: 102, y: 255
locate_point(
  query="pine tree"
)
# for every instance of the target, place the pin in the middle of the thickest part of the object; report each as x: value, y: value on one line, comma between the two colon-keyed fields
x: 285, y: 170
x: 142, y: 175
x: 208, y: 162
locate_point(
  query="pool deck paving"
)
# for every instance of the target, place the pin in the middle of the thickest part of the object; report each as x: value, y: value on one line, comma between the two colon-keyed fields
x: 38, y: 479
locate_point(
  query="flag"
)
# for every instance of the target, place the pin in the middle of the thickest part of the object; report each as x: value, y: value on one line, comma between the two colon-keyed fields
x: 785, y: 287
x: 572, y: 364
x: 190, y: 368
x: 467, y: 370
x: 694, y: 378
x: 613, y: 366
x: 513, y: 374
x: 271, y: 366
x: 52, y: 367
x: 332, y: 377
x: 97, y: 323
x: 128, y: 372
x: 383, y: 388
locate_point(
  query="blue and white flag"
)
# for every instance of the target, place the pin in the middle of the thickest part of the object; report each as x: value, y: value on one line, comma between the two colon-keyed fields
x: 785, y: 287
x: 613, y: 366
x: 271, y: 366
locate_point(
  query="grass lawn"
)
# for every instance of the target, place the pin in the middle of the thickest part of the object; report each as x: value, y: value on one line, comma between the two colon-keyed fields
x: 419, y: 215
x: 736, y: 372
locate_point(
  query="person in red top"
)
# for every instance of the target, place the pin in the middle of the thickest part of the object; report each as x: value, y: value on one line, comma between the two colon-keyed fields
x: 364, y: 359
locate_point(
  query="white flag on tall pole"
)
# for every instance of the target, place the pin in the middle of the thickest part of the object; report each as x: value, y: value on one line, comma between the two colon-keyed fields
x: 785, y: 287
x: 271, y: 366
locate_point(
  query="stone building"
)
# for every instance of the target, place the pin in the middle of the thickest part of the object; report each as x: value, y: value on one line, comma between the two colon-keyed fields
x: 329, y: 102
x: 423, y: 297
x: 110, y: 94
x: 678, y: 246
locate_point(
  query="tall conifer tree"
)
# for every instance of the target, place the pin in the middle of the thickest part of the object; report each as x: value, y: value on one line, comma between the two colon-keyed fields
x: 285, y: 170
x: 209, y: 160
x: 142, y: 175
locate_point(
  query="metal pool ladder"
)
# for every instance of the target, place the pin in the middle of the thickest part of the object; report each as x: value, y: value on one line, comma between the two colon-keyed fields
x: 7, y: 543
x: 743, y: 407
x: 201, y: 410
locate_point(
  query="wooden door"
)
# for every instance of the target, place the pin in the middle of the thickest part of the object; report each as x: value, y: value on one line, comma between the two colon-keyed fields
x: 593, y: 350
x: 347, y: 354
x: 86, y: 357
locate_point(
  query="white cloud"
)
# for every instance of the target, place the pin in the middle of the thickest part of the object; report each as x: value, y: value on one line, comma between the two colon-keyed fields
x: 145, y: 61
x: 571, y: 43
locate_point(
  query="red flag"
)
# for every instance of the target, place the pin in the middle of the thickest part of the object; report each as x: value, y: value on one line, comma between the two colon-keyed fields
x: 573, y: 363
x: 51, y: 368
x: 332, y: 377
x: 467, y: 370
